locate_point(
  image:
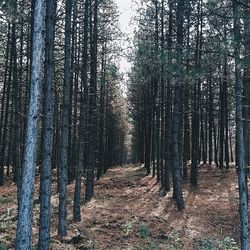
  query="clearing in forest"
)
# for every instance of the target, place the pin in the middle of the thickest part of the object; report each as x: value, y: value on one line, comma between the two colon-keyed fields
x: 128, y: 213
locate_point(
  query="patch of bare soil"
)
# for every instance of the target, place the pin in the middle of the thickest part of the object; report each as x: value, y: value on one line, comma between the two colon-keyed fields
x: 128, y: 213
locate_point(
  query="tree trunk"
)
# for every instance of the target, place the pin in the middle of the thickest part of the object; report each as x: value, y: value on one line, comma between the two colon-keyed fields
x: 162, y: 98
x: 91, y: 158
x: 246, y: 85
x: 16, y: 163
x: 240, y: 150
x: 148, y: 131
x: 84, y: 77
x: 24, y: 225
x: 168, y: 118
x: 101, y: 120
x: 196, y: 109
x: 4, y: 112
x: 210, y: 120
x: 45, y: 185
x: 177, y: 116
x: 63, y: 163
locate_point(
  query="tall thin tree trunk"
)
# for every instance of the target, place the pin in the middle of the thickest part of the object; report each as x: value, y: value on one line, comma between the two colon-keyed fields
x: 196, y: 109
x: 162, y: 98
x: 186, y: 108
x: 92, y: 108
x: 80, y: 157
x: 221, y: 124
x: 177, y: 177
x: 102, y: 121
x: 4, y: 112
x: 63, y: 163
x: 210, y: 120
x: 73, y: 95
x: 48, y: 132
x: 168, y: 118
x: 215, y: 144
x: 240, y: 150
x: 246, y: 85
x: 225, y: 87
x: 16, y: 89
x: 24, y: 225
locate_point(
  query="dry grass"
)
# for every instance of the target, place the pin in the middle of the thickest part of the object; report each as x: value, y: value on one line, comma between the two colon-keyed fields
x: 128, y: 213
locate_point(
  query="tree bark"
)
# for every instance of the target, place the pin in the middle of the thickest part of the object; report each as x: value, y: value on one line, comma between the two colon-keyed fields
x: 91, y: 158
x: 177, y: 116
x: 84, y: 77
x: 63, y: 163
x: 48, y: 131
x: 240, y: 150
x: 24, y: 225
x: 196, y: 105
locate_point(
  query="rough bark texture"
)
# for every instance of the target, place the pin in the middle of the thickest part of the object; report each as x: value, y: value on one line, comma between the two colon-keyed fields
x: 45, y: 186
x: 24, y: 225
x: 5, y: 114
x: 240, y: 150
x: 168, y: 118
x: 177, y: 116
x: 80, y: 161
x: 63, y: 163
x: 92, y: 109
x: 196, y: 105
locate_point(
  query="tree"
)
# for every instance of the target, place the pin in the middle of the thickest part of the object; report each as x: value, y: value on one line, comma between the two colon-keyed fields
x: 84, y: 76
x: 196, y: 101
x: 168, y: 115
x: 177, y: 112
x: 92, y: 105
x: 63, y: 163
x: 24, y: 225
x: 46, y: 169
x: 4, y: 107
x: 240, y: 149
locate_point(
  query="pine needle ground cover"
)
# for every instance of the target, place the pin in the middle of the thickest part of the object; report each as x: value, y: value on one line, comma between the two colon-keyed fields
x: 128, y: 213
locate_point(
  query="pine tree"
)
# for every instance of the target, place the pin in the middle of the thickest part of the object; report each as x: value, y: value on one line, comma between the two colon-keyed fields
x: 24, y: 225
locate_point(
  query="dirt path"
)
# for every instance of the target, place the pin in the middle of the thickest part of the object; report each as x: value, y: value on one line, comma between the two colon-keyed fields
x: 128, y: 213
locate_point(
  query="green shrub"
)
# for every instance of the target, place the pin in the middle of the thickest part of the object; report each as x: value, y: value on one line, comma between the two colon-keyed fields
x: 228, y: 244
x: 143, y: 230
x: 212, y: 244
x: 128, y: 228
x: 3, y: 247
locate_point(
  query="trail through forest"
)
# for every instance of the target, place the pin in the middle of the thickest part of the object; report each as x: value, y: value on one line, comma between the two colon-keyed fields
x: 128, y: 213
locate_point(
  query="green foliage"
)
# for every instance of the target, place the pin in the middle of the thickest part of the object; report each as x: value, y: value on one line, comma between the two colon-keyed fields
x: 3, y: 247
x: 144, y: 230
x: 175, y: 235
x: 174, y: 240
x: 152, y: 245
x: 128, y: 228
x: 6, y: 199
x: 6, y: 219
x: 225, y: 244
x: 206, y: 244
x: 228, y: 244
x: 8, y: 7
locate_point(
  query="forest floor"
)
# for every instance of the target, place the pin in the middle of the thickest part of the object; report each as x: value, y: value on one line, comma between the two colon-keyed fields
x: 128, y: 213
